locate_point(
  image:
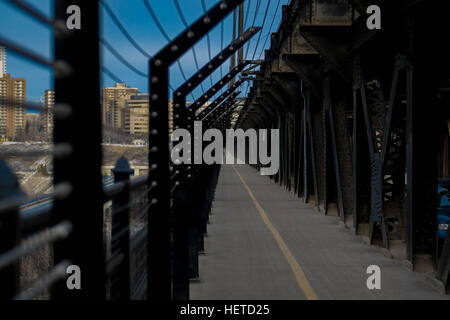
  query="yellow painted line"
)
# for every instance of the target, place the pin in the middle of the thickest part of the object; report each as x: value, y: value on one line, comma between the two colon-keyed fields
x: 299, y: 275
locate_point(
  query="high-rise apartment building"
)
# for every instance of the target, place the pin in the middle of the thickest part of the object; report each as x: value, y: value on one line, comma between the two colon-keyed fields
x: 135, y: 115
x: 32, y: 127
x: 12, y: 107
x: 113, y: 102
x: 47, y: 114
x: 2, y: 61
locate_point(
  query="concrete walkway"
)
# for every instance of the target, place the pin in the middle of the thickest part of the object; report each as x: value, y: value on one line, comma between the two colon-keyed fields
x: 264, y: 243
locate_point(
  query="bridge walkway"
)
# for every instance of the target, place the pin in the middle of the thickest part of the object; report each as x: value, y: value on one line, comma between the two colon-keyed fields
x: 264, y: 243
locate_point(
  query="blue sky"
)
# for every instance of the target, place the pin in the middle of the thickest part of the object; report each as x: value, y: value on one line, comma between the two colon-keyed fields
x: 20, y: 28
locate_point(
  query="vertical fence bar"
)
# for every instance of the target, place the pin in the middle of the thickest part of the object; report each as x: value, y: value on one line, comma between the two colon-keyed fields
x: 312, y: 147
x: 182, y: 203
x: 305, y: 155
x: 9, y: 232
x: 355, y: 159
x: 77, y: 58
x: 294, y: 149
x: 409, y: 165
x: 340, y: 200
x: 356, y: 143
x: 325, y: 125
x: 325, y: 158
x: 120, y: 230
x: 159, y: 215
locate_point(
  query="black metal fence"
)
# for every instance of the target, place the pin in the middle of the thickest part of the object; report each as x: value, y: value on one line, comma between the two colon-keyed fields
x: 137, y: 238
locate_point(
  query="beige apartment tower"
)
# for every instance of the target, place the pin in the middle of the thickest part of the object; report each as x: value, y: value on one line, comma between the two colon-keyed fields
x: 2, y: 61
x: 12, y: 107
x: 113, y: 102
x: 135, y: 115
x: 47, y: 115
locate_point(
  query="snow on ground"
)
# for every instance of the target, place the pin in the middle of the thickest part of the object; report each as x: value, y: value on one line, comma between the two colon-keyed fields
x: 9, y: 143
x: 43, y: 161
x: 122, y: 145
x: 35, y: 182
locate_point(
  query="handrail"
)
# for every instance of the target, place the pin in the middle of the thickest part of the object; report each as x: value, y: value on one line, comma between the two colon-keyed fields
x: 117, y: 187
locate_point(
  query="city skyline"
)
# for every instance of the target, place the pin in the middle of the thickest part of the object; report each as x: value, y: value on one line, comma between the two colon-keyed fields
x: 135, y: 18
x: 42, y: 98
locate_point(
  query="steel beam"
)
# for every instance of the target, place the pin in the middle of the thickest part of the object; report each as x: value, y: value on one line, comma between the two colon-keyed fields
x: 308, y: 68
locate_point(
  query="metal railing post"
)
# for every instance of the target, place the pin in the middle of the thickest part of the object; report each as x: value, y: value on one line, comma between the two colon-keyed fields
x: 9, y: 231
x: 80, y: 128
x: 120, y: 230
x: 182, y: 206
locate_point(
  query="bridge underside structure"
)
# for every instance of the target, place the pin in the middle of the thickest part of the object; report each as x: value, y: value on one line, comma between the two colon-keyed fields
x: 364, y: 118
